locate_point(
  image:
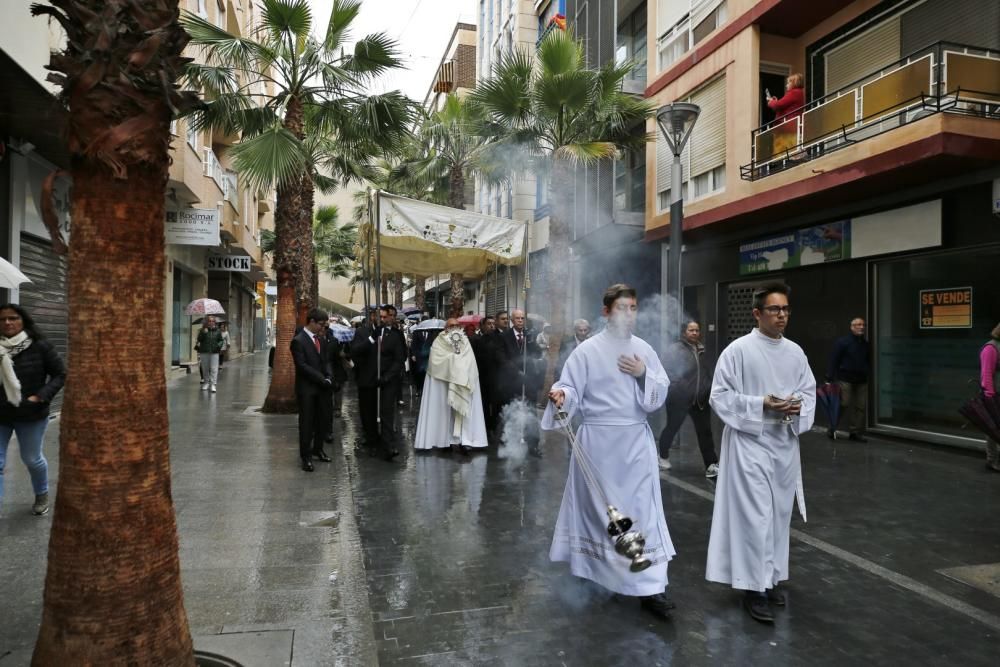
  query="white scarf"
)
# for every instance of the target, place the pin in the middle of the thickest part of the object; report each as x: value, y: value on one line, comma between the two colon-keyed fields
x: 10, y: 348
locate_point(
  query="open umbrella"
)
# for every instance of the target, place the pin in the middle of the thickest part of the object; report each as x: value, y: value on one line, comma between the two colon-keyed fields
x: 10, y: 275
x: 981, y: 415
x: 828, y: 395
x: 218, y: 320
x: 342, y: 333
x: 429, y: 324
x: 470, y: 319
x: 412, y: 311
x: 204, y: 307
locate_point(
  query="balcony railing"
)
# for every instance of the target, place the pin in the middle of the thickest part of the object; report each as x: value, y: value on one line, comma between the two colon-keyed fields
x: 232, y: 188
x: 943, y: 78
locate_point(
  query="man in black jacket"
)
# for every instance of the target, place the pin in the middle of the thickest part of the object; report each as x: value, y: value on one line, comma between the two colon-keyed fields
x: 314, y: 386
x: 518, y: 373
x: 690, y: 385
x: 379, y: 354
x: 849, y: 366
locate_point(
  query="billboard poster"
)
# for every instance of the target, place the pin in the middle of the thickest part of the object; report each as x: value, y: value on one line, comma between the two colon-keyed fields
x: 829, y: 242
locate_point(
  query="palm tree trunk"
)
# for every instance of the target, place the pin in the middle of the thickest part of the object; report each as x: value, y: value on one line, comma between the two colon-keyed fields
x: 385, y: 289
x: 456, y: 199
x: 293, y: 262
x: 314, y: 288
x: 419, y: 292
x: 112, y: 588
x: 397, y: 284
x: 561, y: 201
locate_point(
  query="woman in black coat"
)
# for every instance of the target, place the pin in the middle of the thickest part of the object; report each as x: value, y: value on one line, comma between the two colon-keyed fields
x: 31, y: 374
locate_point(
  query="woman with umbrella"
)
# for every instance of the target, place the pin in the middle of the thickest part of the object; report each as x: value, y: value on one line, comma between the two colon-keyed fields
x: 31, y: 373
x: 209, y: 346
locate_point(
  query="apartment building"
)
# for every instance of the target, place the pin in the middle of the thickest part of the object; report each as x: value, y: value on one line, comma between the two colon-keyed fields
x: 878, y: 198
x: 221, y: 259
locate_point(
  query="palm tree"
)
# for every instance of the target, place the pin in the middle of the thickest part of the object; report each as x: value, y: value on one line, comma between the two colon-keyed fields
x: 334, y: 242
x: 450, y: 148
x: 554, y: 116
x: 300, y: 106
x: 112, y: 590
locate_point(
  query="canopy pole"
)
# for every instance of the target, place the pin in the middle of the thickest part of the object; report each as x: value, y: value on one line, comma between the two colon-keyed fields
x: 378, y: 273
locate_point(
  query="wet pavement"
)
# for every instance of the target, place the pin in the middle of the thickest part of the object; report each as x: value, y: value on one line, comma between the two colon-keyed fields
x: 438, y: 560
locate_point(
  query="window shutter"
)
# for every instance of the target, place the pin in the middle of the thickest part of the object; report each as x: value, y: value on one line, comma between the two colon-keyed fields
x: 702, y: 8
x: 665, y: 163
x: 708, y: 140
x: 668, y: 13
x: 863, y: 55
x: 974, y: 22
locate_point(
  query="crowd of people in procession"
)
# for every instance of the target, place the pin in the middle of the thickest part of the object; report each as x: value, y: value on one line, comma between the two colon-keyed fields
x: 470, y: 378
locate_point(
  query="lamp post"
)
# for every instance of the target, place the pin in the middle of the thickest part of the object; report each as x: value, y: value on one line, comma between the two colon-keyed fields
x: 676, y: 122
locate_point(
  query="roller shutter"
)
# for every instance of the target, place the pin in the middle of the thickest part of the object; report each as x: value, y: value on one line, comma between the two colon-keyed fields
x: 708, y: 140
x: 973, y: 22
x: 863, y: 55
x: 45, y: 296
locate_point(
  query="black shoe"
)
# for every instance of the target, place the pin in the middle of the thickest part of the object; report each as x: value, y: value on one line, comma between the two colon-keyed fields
x: 659, y: 604
x: 757, y: 606
x: 830, y: 433
x: 775, y: 597
x: 328, y: 440
x: 307, y: 465
x: 460, y: 449
x: 857, y: 437
x: 321, y: 456
x: 390, y: 454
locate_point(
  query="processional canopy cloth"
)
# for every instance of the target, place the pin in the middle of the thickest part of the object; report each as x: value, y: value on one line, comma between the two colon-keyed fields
x: 424, y: 239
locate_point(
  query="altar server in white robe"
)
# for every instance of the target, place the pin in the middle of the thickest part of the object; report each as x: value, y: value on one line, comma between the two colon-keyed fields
x: 451, y: 406
x: 765, y: 394
x: 612, y: 381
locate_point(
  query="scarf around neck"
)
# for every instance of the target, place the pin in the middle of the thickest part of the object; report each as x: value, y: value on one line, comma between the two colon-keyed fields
x: 10, y: 348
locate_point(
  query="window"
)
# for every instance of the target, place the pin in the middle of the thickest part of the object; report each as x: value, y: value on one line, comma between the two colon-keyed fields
x: 684, y: 23
x: 632, y: 42
x: 674, y: 45
x: 709, y: 182
x: 705, y: 26
x: 202, y: 10
x: 192, y: 135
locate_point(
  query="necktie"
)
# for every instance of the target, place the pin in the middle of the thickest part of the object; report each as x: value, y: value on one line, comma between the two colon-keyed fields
x: 316, y: 341
x: 520, y: 340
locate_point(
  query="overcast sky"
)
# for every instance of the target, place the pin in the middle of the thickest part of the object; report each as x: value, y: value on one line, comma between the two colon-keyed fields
x: 421, y: 27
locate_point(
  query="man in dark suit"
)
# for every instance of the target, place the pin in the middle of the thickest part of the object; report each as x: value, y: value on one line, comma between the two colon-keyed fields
x: 518, y: 373
x: 378, y: 353
x: 314, y: 385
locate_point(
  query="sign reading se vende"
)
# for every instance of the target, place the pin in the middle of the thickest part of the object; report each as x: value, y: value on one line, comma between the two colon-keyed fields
x: 229, y: 262
x: 949, y: 308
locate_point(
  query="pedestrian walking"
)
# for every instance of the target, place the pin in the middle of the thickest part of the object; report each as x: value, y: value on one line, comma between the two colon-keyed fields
x: 209, y: 346
x: 989, y: 380
x: 226, y: 343
x: 850, y: 362
x: 581, y: 332
x: 314, y: 386
x: 613, y: 381
x: 690, y: 385
x: 32, y: 373
x: 765, y: 394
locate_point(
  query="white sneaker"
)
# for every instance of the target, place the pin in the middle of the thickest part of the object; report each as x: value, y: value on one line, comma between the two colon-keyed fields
x: 204, y: 386
x: 665, y: 464
x: 212, y: 389
x: 712, y: 471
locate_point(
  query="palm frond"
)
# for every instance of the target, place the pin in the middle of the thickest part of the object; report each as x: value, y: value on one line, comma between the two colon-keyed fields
x: 342, y: 15
x: 287, y: 19
x: 373, y: 56
x: 560, y: 53
x: 274, y: 157
x: 586, y: 153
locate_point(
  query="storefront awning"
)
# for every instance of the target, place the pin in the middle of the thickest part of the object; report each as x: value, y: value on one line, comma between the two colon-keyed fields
x: 424, y: 239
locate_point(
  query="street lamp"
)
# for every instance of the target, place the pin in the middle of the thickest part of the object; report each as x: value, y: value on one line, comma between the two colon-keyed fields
x: 676, y: 122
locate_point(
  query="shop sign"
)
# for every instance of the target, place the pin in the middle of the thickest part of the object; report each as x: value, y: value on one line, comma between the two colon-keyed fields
x: 949, y: 308
x: 192, y: 226
x: 830, y: 242
x: 229, y: 263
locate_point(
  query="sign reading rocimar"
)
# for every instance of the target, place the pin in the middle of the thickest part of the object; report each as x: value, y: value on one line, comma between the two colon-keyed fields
x: 949, y: 308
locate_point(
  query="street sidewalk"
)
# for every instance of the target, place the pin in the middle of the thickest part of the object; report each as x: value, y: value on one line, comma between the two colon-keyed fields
x: 270, y: 562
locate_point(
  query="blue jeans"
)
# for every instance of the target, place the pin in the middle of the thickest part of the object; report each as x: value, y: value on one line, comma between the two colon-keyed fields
x: 29, y: 438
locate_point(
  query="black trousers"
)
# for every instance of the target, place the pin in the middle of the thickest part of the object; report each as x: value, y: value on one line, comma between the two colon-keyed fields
x: 368, y: 400
x: 314, y: 420
x: 677, y: 411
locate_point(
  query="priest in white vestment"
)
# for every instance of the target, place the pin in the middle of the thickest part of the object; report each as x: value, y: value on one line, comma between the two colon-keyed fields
x: 451, y: 405
x: 765, y: 394
x: 611, y: 382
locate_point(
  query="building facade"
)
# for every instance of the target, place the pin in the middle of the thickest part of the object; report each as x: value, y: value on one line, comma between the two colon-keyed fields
x: 876, y: 199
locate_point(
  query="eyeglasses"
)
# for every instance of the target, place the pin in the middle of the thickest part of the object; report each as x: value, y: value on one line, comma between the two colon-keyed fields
x: 774, y: 310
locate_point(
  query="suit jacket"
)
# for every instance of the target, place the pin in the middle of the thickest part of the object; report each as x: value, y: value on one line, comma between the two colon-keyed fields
x: 312, y: 368
x: 512, y: 377
x: 364, y: 352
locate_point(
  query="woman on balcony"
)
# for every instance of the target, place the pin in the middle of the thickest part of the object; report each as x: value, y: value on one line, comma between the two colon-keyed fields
x: 786, y: 110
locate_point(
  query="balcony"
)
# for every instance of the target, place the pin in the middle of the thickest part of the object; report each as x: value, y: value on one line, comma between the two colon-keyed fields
x: 444, y: 82
x: 945, y: 78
